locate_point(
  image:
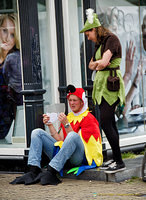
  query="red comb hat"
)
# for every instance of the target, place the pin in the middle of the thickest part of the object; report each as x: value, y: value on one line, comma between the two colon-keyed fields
x: 79, y: 92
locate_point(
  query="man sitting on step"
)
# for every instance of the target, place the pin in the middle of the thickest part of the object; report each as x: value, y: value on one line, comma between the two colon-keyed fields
x: 79, y: 140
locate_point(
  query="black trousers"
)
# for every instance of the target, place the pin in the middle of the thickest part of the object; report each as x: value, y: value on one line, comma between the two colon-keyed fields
x: 108, y: 124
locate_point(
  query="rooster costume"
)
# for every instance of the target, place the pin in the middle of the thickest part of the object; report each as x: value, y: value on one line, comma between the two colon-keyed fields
x: 81, y: 147
x: 87, y: 126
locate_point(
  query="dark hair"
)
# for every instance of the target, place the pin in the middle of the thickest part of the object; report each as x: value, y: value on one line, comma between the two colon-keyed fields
x: 89, y: 30
x: 101, y: 32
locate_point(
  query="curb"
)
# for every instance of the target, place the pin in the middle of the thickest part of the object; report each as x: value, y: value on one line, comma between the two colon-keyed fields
x: 133, y: 169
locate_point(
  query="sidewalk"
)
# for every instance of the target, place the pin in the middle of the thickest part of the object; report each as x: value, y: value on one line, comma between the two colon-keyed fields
x: 72, y: 189
x: 133, y: 169
x: 91, y: 184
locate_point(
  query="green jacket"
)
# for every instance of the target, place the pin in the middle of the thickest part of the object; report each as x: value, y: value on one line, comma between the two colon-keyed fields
x: 100, y: 84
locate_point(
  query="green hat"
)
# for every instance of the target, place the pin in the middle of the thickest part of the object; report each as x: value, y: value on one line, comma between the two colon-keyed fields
x: 91, y: 22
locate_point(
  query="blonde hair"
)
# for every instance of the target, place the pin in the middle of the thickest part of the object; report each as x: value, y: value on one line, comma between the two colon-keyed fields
x: 13, y: 17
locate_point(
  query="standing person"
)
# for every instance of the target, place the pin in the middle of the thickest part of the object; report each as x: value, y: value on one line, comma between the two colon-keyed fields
x: 10, y: 72
x: 78, y: 136
x: 106, y: 59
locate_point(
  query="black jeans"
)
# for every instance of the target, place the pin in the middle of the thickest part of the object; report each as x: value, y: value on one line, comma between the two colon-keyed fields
x: 108, y: 124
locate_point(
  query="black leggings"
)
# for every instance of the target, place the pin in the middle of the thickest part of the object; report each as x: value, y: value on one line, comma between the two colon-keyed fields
x: 108, y: 124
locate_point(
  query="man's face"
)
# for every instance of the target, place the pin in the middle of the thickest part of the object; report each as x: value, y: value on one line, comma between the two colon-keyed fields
x: 75, y: 103
x: 144, y: 32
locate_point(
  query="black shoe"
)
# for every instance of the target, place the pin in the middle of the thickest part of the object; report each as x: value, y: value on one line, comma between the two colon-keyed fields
x: 115, y: 167
x: 27, y: 178
x: 47, y: 178
x: 106, y: 164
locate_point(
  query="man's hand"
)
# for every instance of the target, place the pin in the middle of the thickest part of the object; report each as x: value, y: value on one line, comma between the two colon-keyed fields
x: 63, y: 118
x: 46, y: 118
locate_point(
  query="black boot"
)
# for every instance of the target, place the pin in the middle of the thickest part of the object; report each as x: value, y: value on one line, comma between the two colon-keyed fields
x: 29, y: 177
x: 48, y: 177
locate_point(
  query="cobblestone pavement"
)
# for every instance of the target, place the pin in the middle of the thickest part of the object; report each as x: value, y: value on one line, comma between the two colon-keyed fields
x: 71, y: 189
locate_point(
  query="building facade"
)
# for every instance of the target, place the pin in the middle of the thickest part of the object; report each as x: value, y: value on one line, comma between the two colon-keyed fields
x: 54, y: 54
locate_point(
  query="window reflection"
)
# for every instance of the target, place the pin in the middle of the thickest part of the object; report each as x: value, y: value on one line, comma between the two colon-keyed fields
x: 126, y: 21
x: 10, y: 72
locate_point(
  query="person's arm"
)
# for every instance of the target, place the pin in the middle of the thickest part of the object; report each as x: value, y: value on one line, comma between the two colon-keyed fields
x: 63, y: 119
x: 129, y: 98
x: 133, y: 89
x: 105, y: 61
x: 53, y: 132
x: 6, y: 69
x: 102, y: 63
x: 92, y: 64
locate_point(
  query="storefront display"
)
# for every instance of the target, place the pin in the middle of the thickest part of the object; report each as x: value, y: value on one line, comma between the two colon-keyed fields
x: 127, y: 19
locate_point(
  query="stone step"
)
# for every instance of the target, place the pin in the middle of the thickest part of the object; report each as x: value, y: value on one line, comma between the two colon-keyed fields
x: 18, y: 139
x: 133, y: 169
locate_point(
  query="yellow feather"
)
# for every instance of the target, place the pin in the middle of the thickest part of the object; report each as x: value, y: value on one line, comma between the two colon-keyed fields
x: 59, y: 143
x: 72, y: 118
x: 93, y: 150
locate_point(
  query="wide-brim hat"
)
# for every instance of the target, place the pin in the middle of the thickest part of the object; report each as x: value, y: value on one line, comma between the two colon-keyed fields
x: 91, y: 22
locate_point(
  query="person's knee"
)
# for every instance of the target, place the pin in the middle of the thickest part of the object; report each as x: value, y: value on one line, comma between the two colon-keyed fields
x: 72, y: 136
x: 35, y: 132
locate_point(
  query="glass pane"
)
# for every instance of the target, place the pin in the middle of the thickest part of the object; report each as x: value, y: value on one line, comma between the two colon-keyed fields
x: 11, y: 99
x: 143, y: 46
x: 8, y: 6
x: 82, y: 44
x: 74, y: 10
x: 124, y: 18
x: 45, y: 49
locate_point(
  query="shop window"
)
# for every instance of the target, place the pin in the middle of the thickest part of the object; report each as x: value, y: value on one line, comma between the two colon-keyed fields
x: 82, y: 45
x: 11, y: 99
x: 47, y: 45
x: 127, y: 19
x: 7, y: 5
x: 72, y: 41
